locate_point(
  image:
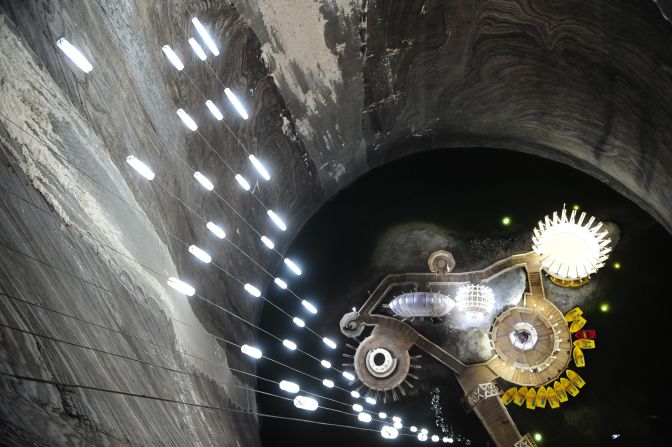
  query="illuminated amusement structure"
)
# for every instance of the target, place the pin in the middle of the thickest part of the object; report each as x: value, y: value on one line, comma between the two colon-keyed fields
x: 531, y: 342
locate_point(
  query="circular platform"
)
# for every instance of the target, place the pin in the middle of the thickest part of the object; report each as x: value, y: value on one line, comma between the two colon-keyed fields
x: 381, y: 361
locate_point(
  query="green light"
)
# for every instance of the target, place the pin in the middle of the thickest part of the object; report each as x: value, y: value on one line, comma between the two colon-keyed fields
x: 576, y: 207
x: 604, y: 307
x: 537, y: 437
x: 506, y: 221
x: 617, y: 265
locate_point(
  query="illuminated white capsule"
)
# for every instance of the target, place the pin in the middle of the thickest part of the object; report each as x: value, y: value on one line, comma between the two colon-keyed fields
x: 364, y: 417
x: 261, y: 169
x: 249, y: 288
x: 280, y: 283
x: 397, y: 425
x: 435, y: 438
x: 181, y: 286
x: 355, y: 394
x: 267, y: 242
x: 414, y: 428
x: 204, y: 181
x: 280, y: 224
x: 348, y: 376
x: 209, y: 42
x: 197, y: 49
x: 308, y: 305
x: 172, y: 57
x: 186, y: 119
x: 424, y: 430
x: 328, y: 383
x: 357, y: 407
x: 214, y: 110
x: 299, y: 322
x: 243, y: 182
x: 370, y: 400
x: 140, y: 167
x: 305, y: 403
x: 450, y: 440
x: 388, y: 432
x: 329, y: 342
x: 251, y: 351
x: 382, y: 415
x: 289, y: 344
x: 216, y: 230
x: 325, y: 363
x: 200, y: 254
x: 445, y: 439
x: 236, y: 103
x: 74, y: 55
x: 396, y: 419
x: 288, y: 386
x: 292, y: 266
x: 422, y: 436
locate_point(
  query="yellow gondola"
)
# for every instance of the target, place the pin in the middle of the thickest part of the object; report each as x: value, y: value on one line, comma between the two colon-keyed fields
x: 577, y: 324
x: 577, y: 379
x: 569, y: 386
x: 584, y: 343
x: 560, y: 391
x: 531, y: 399
x: 541, y: 397
x: 552, y: 397
x: 520, y: 396
x: 579, y: 358
x: 509, y: 395
x: 573, y: 314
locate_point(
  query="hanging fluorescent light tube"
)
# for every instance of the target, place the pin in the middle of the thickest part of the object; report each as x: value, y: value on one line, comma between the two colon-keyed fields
x: 236, y: 103
x: 329, y: 342
x: 289, y: 344
x: 292, y: 266
x: 197, y: 49
x: 74, y: 55
x: 251, y: 351
x: 216, y: 230
x: 200, y: 254
x: 308, y: 305
x: 299, y: 322
x: 280, y: 283
x: 205, y: 36
x: 357, y: 407
x: 348, y: 376
x: 396, y: 419
x: 325, y: 363
x: 252, y: 290
x: 278, y: 222
x: 181, y: 286
x: 267, y: 242
x: 140, y: 167
x: 397, y: 425
x: 328, y: 383
x: 204, y: 181
x: 382, y: 415
x: 186, y: 119
x: 355, y: 394
x: 364, y: 417
x: 242, y: 182
x: 172, y: 57
x: 388, y: 432
x: 305, y: 403
x: 414, y: 428
x: 370, y: 400
x: 290, y: 387
x: 214, y: 110
x: 435, y: 438
x: 261, y: 169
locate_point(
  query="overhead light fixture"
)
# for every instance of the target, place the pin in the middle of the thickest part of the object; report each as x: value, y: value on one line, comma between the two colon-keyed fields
x: 424, y: 430
x: 140, y: 167
x: 364, y: 417
x: 348, y: 376
x: 204, y: 181
x: 357, y: 407
x: 267, y: 242
x: 261, y: 169
x: 355, y: 394
x: 242, y: 182
x: 329, y: 342
x: 370, y: 400
x: 292, y: 266
x: 435, y: 438
x: 299, y: 322
x: 172, y: 57
x: 216, y: 230
x: 382, y: 415
x: 328, y: 383
x: 289, y: 344
x: 305, y: 403
x: 388, y: 432
x: 325, y: 363
x: 280, y: 283
x: 181, y: 286
x: 197, y: 49
x: 214, y: 110
x: 422, y: 436
x: 251, y: 351
x: 288, y: 386
x: 278, y: 223
x: 186, y: 119
x: 74, y: 55
x: 308, y: 305
x: 413, y: 428
x: 200, y: 254
x: 249, y: 288
x: 396, y: 419
x: 209, y: 42
x: 397, y: 425
x: 236, y: 103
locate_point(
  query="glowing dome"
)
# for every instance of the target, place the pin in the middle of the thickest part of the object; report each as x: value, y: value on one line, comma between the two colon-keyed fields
x: 570, y: 249
x: 475, y: 301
